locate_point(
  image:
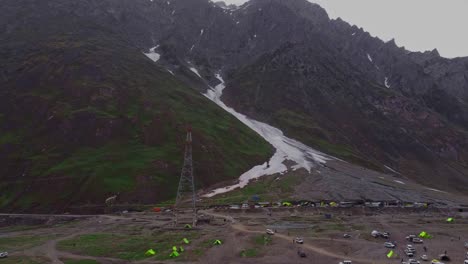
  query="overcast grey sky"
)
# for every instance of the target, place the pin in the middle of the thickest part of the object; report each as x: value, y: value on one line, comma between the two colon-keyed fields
x: 418, y: 25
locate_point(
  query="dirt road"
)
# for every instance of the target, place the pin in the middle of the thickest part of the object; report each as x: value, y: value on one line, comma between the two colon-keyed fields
x: 242, y: 228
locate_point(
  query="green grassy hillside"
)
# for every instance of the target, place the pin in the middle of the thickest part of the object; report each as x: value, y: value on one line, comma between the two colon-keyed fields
x: 83, y: 118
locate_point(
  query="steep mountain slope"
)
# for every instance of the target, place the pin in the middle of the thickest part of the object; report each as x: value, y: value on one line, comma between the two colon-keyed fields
x: 84, y: 115
x: 361, y: 99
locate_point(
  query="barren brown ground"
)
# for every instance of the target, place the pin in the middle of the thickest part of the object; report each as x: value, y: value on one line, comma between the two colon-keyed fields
x: 240, y: 231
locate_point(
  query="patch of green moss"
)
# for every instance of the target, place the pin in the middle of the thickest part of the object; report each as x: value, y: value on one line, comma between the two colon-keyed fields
x: 127, y: 247
x: 269, y: 188
x: 114, y: 166
x: 9, y: 138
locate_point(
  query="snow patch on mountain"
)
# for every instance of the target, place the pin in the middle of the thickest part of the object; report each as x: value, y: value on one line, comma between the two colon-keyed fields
x: 390, y: 169
x: 152, y: 54
x: 195, y: 71
x: 435, y: 190
x: 286, y: 148
x: 387, y: 84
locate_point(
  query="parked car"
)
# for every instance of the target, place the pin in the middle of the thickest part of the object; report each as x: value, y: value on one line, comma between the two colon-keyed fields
x: 466, y: 261
x: 375, y: 233
x: 424, y: 258
x: 410, y: 248
x: 346, y: 235
x: 389, y: 245
x: 346, y: 262
x: 417, y: 240
x: 299, y: 240
x: 410, y: 238
x: 385, y: 235
x: 270, y: 232
x: 409, y: 253
x: 3, y: 254
x: 413, y: 261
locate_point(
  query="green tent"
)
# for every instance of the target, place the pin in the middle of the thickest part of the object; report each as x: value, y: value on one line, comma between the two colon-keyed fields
x: 181, y: 249
x: 424, y: 234
x: 217, y: 242
x: 174, y: 254
x: 450, y: 220
x: 287, y: 204
x: 188, y: 226
x: 390, y: 254
x: 150, y: 252
x: 174, y: 248
x: 185, y: 240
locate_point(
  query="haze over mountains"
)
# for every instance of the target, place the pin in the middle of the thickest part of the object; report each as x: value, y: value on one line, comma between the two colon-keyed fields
x: 85, y: 114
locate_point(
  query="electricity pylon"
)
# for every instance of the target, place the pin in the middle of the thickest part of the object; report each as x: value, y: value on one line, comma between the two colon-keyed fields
x: 186, y: 189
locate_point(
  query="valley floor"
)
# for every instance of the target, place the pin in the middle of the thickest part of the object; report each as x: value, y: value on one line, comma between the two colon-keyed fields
x: 125, y: 238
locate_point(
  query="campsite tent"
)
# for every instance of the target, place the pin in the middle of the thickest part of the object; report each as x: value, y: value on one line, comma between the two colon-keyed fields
x: 150, y: 252
x: 424, y: 234
x: 390, y: 254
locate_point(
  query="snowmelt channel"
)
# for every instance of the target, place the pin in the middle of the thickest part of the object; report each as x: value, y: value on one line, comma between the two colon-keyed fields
x: 286, y: 148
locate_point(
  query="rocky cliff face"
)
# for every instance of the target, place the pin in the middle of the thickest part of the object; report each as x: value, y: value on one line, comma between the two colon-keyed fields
x: 73, y: 74
x: 350, y: 94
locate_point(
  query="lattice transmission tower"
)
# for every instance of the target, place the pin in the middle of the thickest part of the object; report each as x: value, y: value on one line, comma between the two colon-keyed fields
x: 186, y: 189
